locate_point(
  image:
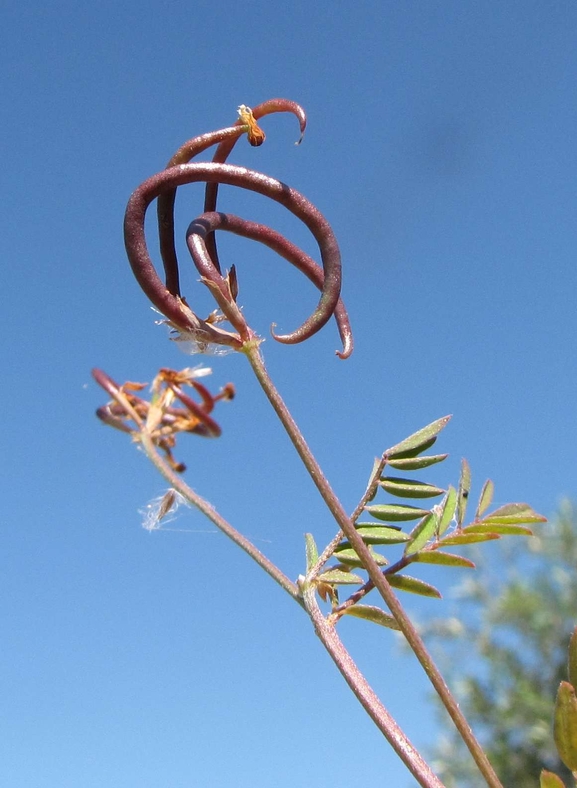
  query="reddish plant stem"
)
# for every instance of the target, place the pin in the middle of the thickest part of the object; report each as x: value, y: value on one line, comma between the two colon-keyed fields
x: 367, y: 696
x: 176, y: 481
x: 381, y: 584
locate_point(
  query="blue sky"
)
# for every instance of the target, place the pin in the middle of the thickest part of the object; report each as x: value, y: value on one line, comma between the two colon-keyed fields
x: 441, y: 146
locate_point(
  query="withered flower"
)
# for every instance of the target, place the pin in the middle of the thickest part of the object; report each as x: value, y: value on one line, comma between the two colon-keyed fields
x: 170, y: 409
x: 255, y: 134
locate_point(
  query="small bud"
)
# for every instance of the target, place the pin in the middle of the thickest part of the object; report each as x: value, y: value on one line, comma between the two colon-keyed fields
x: 255, y: 134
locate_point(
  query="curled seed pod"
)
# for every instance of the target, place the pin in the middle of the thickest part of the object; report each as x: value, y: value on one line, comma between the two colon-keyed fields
x: 207, y: 223
x: 173, y: 306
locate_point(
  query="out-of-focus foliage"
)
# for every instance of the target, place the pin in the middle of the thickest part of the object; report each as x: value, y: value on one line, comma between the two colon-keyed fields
x: 506, y: 654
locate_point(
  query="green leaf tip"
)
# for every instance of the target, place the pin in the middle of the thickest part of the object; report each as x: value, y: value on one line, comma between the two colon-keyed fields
x: 418, y: 441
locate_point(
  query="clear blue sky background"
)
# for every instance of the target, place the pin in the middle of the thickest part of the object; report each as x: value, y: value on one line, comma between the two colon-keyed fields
x: 441, y: 146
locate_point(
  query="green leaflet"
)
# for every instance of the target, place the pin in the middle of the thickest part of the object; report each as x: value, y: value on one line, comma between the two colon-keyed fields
x: 463, y: 492
x: 550, y: 780
x: 514, y: 514
x: 422, y: 533
x: 438, y: 557
x: 413, y: 586
x: 488, y: 527
x: 565, y: 725
x: 485, y: 498
x: 418, y: 441
x: 379, y: 534
x: 340, y: 577
x: 312, y: 553
x: 396, y: 512
x: 348, y: 555
x: 407, y: 488
x: 416, y: 463
x: 374, y: 614
x: 448, y: 506
x: 462, y: 538
x: 376, y: 464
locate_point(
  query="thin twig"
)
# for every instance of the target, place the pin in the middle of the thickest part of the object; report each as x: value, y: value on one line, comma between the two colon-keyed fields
x: 335, y: 541
x: 209, y: 511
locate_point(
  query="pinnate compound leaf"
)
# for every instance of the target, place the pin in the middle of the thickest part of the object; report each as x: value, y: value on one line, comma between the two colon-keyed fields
x: 447, y: 509
x: 380, y: 534
x: 463, y: 492
x: 348, y: 555
x: 416, y: 463
x: 312, y: 553
x: 340, y: 577
x: 550, y: 780
x: 462, y: 538
x: 372, y: 613
x: 418, y: 441
x: 484, y: 527
x: 395, y: 512
x: 565, y: 725
x: 572, y: 666
x: 413, y: 585
x: 422, y: 533
x: 514, y: 514
x: 407, y: 488
x: 485, y: 498
x: 438, y: 557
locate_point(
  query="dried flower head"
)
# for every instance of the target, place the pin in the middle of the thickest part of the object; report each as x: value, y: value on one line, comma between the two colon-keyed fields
x: 170, y: 410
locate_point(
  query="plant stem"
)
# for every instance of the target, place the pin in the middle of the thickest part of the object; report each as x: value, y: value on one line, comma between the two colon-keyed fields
x: 209, y: 511
x: 366, y: 695
x: 335, y: 541
x: 252, y: 351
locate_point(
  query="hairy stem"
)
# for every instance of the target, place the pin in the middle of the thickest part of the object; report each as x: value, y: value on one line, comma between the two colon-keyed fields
x: 415, y: 641
x: 335, y: 541
x: 366, y: 695
x: 209, y: 511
